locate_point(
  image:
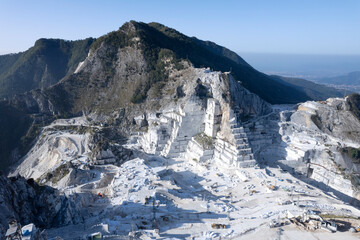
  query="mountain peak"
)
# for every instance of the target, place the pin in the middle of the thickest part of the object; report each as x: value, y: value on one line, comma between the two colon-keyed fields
x: 128, y: 27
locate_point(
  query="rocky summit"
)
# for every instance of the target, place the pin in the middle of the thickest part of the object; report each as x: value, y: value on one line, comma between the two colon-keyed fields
x: 156, y: 135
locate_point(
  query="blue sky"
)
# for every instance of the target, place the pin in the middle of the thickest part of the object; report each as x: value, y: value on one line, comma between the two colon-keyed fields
x: 267, y: 26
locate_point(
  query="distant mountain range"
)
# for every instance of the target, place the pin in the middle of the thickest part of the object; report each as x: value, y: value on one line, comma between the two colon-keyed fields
x: 313, y: 90
x: 306, y: 66
x: 352, y: 79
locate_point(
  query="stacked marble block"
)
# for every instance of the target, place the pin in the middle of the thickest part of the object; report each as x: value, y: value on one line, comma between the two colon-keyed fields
x: 237, y: 154
x: 262, y: 133
x: 212, y: 118
x: 196, y: 152
x: 105, y: 157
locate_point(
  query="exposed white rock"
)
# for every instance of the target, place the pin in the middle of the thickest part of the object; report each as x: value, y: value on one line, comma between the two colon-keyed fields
x: 218, y: 118
x: 78, y: 69
x: 53, y: 149
x: 212, y: 118
x: 309, y: 138
x: 186, y: 124
x: 199, y: 151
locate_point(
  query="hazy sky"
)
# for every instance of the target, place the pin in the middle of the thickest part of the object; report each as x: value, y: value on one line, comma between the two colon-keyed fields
x: 270, y: 26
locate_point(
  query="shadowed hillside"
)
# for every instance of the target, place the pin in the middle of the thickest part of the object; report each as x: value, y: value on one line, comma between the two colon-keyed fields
x: 41, y: 66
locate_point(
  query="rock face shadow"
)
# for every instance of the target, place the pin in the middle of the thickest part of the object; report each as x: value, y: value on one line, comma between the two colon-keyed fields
x: 188, y: 183
x: 164, y: 215
x: 325, y: 188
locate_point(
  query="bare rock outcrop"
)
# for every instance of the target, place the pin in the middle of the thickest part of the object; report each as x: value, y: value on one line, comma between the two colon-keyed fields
x: 27, y: 202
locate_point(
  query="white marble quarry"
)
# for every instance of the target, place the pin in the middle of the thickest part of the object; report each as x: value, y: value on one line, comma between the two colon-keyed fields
x: 218, y: 118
